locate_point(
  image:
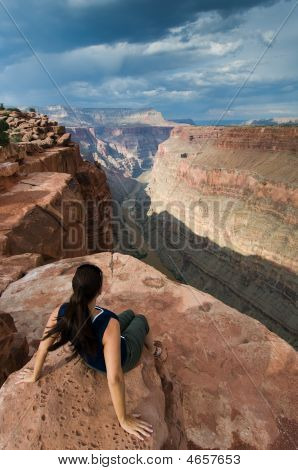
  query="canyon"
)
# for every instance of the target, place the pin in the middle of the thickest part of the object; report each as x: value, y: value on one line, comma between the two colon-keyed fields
x: 121, y: 140
x: 216, y: 216
x: 222, y: 213
x: 125, y: 150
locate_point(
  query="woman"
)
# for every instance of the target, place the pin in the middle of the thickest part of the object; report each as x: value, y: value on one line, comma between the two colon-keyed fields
x: 109, y: 343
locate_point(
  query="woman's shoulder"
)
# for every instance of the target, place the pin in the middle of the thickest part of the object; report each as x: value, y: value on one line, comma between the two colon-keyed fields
x: 105, y: 311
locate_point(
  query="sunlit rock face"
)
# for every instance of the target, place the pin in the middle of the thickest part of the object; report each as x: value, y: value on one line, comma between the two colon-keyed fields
x: 224, y: 211
x: 53, y: 204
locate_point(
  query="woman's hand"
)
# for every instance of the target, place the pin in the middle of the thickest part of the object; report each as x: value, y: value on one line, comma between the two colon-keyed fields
x: 27, y: 375
x: 134, y: 425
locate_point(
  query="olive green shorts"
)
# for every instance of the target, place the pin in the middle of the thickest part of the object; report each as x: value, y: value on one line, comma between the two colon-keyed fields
x: 134, y: 328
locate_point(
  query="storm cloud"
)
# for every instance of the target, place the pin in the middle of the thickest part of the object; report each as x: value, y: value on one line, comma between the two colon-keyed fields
x: 186, y: 58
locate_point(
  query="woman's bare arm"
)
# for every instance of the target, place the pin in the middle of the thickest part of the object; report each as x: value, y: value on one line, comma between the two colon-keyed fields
x: 42, y: 350
x: 112, y: 353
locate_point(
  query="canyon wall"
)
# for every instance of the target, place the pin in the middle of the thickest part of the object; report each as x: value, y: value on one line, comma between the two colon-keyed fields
x: 227, y: 382
x: 126, y: 150
x: 223, y: 216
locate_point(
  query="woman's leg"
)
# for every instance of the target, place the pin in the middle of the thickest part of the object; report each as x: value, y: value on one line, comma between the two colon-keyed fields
x: 125, y: 318
x: 135, y: 335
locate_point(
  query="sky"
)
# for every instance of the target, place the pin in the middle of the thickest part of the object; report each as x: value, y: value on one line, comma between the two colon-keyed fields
x: 204, y: 60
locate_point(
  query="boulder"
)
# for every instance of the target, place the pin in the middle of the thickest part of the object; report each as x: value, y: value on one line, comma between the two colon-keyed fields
x: 27, y: 137
x: 8, y: 168
x: 228, y: 382
x: 46, y: 143
x: 64, y: 139
x: 38, y: 214
x: 14, y: 347
x: 70, y: 408
x: 14, y: 267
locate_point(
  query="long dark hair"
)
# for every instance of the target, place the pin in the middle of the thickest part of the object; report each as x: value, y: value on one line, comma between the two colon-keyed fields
x: 75, y: 326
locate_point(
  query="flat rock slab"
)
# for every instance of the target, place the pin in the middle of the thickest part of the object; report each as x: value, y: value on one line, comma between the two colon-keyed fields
x: 70, y: 408
x: 228, y: 382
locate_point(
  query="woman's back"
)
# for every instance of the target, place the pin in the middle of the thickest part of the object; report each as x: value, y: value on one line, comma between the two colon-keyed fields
x: 99, y: 323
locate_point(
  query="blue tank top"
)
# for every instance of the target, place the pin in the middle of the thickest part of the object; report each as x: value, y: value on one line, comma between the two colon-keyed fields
x: 99, y: 324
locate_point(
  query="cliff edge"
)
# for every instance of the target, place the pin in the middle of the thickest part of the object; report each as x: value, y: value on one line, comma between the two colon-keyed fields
x: 228, y: 382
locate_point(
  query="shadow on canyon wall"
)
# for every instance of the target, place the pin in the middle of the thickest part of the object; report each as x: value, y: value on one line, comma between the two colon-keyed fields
x: 251, y: 284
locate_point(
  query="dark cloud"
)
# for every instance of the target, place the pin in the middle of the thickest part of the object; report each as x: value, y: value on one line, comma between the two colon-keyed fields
x: 58, y: 25
x: 186, y: 58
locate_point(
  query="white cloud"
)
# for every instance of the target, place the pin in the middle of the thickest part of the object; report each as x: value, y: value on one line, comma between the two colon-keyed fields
x: 267, y: 36
x: 200, y: 64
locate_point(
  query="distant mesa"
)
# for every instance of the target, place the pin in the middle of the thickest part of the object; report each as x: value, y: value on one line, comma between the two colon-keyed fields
x: 108, y: 117
x: 285, y: 121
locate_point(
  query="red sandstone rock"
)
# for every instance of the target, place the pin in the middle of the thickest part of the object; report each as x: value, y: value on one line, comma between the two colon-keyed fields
x: 235, y: 193
x: 64, y: 139
x: 8, y: 168
x: 38, y: 214
x: 12, y: 152
x: 228, y: 382
x: 70, y: 408
x: 42, y: 207
x: 14, y: 347
x: 14, y: 267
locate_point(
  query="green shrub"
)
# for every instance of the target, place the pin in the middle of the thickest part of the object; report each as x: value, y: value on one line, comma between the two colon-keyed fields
x: 3, y: 125
x: 15, y: 138
x: 4, y: 139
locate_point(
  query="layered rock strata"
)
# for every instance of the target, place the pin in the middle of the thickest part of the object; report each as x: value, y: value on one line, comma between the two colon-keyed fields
x: 224, y: 211
x: 127, y: 150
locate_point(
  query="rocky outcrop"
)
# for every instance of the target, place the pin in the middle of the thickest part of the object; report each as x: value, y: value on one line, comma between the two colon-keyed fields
x: 224, y: 210
x: 14, y: 347
x: 29, y: 126
x: 228, y: 382
x: 36, y: 216
x: 53, y: 203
